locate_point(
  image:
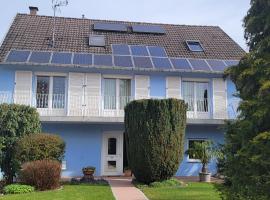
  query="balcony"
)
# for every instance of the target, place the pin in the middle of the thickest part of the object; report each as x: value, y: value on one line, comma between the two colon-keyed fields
x: 61, y: 107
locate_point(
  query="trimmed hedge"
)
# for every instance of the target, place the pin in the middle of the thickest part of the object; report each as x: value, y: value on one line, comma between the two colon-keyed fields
x: 18, y: 189
x: 42, y: 174
x: 40, y: 146
x: 155, y: 131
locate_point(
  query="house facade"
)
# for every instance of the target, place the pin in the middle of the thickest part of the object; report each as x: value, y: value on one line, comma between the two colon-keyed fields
x: 81, y: 80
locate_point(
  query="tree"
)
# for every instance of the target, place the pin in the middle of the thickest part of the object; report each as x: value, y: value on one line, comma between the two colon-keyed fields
x: 154, y: 131
x: 15, y: 122
x: 247, y: 168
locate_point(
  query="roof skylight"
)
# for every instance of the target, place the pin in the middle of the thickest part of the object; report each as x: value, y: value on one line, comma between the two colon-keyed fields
x: 194, y: 46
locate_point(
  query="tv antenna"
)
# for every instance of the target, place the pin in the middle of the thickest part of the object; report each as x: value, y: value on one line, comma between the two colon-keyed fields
x: 56, y: 4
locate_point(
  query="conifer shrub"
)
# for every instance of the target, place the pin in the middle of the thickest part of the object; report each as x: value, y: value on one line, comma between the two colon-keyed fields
x: 154, y: 135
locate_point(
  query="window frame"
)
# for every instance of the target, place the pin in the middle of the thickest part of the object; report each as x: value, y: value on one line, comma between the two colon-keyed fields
x: 50, y: 98
x: 194, y: 41
x: 117, y: 91
x: 192, y: 160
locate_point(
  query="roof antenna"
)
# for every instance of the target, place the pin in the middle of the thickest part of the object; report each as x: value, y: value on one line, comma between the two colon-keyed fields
x: 56, y: 4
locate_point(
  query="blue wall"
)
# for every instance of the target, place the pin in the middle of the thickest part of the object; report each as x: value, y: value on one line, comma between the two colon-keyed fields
x: 157, y: 86
x: 7, y: 79
x: 83, y: 144
x: 199, y: 132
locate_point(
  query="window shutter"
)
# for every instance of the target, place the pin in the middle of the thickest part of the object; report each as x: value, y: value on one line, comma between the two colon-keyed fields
x: 220, y: 98
x: 76, y: 94
x: 142, y: 87
x: 173, y: 87
x: 23, y: 87
x: 92, y: 94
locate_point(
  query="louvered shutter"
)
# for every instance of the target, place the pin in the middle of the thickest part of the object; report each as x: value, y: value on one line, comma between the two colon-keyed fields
x: 173, y: 87
x: 76, y: 94
x: 92, y: 94
x: 142, y: 87
x: 220, y: 98
x: 23, y: 87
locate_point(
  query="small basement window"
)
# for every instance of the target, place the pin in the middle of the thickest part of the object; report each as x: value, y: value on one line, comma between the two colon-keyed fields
x: 194, y: 46
x: 191, y: 143
x: 97, y: 40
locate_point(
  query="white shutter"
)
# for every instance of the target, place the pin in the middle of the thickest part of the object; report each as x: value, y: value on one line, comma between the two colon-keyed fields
x: 220, y: 98
x: 76, y: 94
x: 23, y: 87
x: 142, y: 86
x: 173, y: 87
x: 92, y: 94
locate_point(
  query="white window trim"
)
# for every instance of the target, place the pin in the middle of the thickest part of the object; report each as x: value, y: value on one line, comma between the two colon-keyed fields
x: 190, y: 160
x: 51, y: 87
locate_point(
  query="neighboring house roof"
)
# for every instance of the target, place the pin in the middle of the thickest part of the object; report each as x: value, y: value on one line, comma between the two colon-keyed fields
x: 34, y: 32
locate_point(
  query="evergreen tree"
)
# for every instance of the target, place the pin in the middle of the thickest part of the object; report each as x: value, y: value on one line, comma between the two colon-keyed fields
x: 247, y: 148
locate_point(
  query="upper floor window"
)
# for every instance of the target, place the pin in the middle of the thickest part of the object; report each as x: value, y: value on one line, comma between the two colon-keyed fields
x: 196, y: 95
x: 50, y: 92
x: 117, y: 93
x: 194, y: 46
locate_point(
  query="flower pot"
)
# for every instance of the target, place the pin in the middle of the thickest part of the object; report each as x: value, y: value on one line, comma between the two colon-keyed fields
x: 205, y: 177
x: 127, y: 172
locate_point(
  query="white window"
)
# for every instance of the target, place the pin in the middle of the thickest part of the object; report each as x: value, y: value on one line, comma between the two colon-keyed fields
x: 117, y: 93
x: 191, y: 142
x: 194, y: 46
x: 196, y: 95
x: 50, y: 92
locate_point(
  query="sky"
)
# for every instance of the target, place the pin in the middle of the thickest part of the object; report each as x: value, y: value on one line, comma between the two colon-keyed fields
x: 228, y: 14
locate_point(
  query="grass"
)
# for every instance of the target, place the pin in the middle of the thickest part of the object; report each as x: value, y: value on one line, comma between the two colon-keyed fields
x: 69, y: 192
x: 190, y: 191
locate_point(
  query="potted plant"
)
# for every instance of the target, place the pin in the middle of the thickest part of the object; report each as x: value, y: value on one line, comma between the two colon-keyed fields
x: 88, y: 172
x: 204, y: 151
x: 127, y: 172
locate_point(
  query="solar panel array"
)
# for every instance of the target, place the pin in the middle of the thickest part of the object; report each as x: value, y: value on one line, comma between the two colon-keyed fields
x: 124, y: 56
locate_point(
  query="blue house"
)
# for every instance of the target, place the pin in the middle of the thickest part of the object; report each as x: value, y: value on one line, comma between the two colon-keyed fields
x: 81, y: 79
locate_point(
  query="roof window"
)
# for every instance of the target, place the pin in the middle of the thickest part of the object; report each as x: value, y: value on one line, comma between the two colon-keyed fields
x: 194, y: 46
x: 97, y: 40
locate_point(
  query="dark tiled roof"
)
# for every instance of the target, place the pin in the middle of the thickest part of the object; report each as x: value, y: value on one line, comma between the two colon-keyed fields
x: 35, y: 32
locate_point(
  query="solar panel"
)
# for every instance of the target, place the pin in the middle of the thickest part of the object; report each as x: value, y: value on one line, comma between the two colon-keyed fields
x: 123, y: 61
x: 231, y: 62
x: 82, y: 59
x: 40, y: 57
x: 17, y: 56
x: 157, y: 51
x: 139, y: 50
x: 199, y: 65
x: 217, y: 65
x: 148, y: 29
x: 105, y: 60
x: 162, y: 63
x: 110, y: 27
x: 61, y: 58
x: 181, y: 63
x: 120, y: 49
x: 142, y: 62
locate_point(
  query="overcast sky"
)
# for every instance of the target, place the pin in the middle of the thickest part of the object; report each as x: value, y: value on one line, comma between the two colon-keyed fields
x: 228, y: 14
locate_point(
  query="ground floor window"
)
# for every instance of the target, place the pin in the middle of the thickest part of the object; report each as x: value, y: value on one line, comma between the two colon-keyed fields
x: 191, y: 143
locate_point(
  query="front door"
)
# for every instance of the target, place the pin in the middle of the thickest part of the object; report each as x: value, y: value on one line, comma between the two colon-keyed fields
x: 112, y: 153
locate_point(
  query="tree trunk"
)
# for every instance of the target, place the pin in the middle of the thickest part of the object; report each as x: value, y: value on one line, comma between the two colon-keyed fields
x: 204, y: 168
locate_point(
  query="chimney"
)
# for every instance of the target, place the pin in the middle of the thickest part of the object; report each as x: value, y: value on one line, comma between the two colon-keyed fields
x: 33, y: 10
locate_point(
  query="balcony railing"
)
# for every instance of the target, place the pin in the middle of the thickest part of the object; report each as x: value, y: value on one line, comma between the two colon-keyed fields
x: 94, y: 106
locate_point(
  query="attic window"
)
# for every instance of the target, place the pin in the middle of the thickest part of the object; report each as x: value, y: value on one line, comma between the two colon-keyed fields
x: 97, y: 41
x: 194, y: 46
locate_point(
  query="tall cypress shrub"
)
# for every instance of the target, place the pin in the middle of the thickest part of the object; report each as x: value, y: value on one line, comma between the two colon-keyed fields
x: 154, y: 131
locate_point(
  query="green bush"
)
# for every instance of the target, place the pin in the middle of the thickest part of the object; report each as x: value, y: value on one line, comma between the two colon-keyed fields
x: 18, y: 189
x: 40, y: 146
x: 154, y: 132
x: 43, y: 174
x: 15, y: 122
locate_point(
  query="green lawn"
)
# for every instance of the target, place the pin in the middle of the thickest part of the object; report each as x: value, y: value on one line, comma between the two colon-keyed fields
x: 193, y: 191
x: 69, y: 192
